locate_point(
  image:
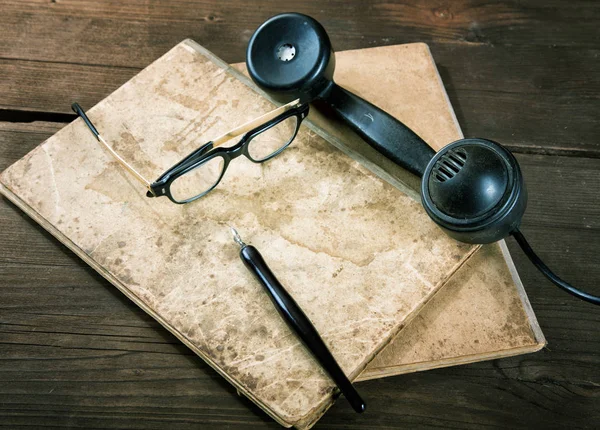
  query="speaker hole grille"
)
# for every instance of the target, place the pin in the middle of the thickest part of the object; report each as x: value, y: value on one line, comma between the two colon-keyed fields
x: 449, y: 165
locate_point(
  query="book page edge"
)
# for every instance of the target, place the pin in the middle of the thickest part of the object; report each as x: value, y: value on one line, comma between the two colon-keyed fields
x: 383, y: 372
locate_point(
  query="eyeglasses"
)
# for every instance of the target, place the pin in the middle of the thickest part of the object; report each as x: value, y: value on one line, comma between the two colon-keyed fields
x: 201, y: 171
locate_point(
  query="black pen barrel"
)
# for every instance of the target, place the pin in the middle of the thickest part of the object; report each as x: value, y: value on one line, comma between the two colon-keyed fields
x: 300, y: 323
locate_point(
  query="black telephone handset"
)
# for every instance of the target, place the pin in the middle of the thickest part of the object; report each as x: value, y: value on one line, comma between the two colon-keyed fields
x: 472, y: 188
x: 290, y: 56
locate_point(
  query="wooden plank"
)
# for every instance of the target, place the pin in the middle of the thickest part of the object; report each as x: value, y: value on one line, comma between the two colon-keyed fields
x: 52, y: 87
x: 17, y: 139
x: 555, y: 388
x: 499, y: 85
x: 76, y: 352
x: 532, y: 100
x: 136, y: 32
x: 540, y: 96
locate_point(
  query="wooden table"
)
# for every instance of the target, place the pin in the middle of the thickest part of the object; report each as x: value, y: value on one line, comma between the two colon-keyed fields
x: 75, y: 352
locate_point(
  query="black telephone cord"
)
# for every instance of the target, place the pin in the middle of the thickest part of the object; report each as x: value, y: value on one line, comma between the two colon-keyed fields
x: 537, y: 262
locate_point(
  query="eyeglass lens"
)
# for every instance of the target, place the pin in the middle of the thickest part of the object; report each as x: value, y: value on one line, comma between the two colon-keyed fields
x: 269, y: 142
x: 203, y: 178
x: 198, y: 181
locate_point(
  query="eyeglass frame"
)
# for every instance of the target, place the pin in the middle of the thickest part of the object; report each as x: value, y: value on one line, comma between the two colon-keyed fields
x: 207, y: 152
x: 211, y: 149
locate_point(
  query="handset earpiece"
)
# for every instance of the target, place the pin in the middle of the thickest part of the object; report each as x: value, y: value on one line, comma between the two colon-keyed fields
x: 474, y: 190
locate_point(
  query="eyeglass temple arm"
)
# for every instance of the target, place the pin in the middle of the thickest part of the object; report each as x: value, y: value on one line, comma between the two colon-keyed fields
x: 79, y: 111
x: 244, y: 128
x: 191, y: 158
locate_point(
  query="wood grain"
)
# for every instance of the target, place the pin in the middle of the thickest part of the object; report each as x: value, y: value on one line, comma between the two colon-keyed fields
x: 89, y: 28
x: 541, y: 58
x: 534, y: 86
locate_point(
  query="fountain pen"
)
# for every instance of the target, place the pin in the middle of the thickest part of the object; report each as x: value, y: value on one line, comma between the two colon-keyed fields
x: 297, y: 320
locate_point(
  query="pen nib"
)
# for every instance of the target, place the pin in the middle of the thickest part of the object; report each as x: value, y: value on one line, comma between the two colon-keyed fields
x: 236, y: 237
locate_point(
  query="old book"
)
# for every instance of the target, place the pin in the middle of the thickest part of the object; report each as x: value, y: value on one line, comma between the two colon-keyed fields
x: 483, y: 312
x: 359, y: 256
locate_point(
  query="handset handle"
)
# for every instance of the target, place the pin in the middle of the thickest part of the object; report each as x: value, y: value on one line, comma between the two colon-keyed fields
x: 380, y: 130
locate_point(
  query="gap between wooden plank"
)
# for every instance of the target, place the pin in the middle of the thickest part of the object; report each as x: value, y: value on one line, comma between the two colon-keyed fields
x: 24, y: 116
x: 17, y: 121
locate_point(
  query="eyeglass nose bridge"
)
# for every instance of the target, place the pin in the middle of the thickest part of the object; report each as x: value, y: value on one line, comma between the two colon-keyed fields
x: 241, y: 148
x: 238, y: 150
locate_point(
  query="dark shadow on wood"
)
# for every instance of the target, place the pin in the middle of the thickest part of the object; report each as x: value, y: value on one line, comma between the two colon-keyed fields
x: 454, y: 100
x: 15, y: 115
